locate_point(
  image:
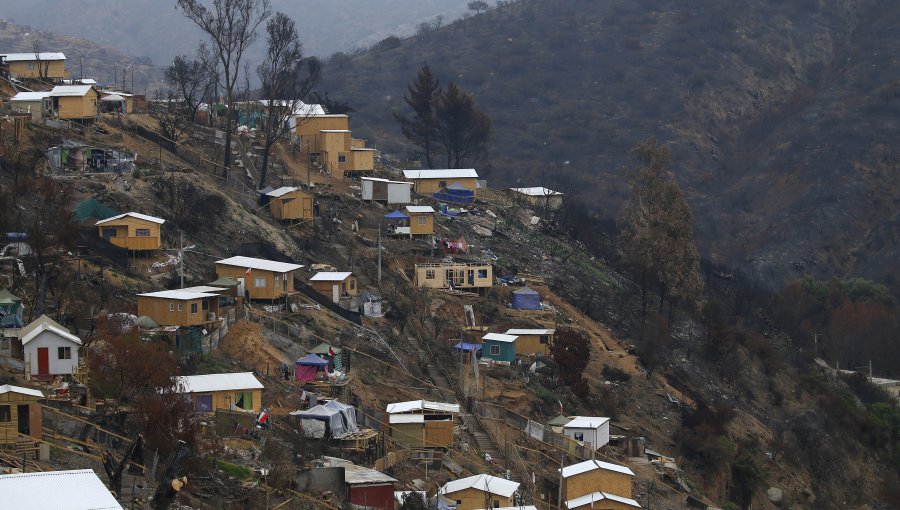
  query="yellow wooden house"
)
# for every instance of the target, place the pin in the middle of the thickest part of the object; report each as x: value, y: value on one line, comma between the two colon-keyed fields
x: 426, y: 182
x: 421, y: 220
x: 538, y: 197
x: 531, y: 341
x: 480, y: 491
x: 132, y: 231
x: 456, y: 275
x: 605, y: 485
x: 75, y: 102
x: 41, y: 65
x: 234, y: 391
x: 259, y: 278
x: 421, y: 423
x: 326, y: 142
x: 290, y: 204
x: 20, y: 413
x: 335, y: 284
x: 182, y: 307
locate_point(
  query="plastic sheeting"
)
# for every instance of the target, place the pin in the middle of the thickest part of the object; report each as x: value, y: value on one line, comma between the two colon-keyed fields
x: 526, y: 299
x: 334, y: 418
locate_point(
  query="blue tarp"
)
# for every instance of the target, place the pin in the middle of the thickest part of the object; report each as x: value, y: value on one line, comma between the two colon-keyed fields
x: 526, y: 299
x: 455, y: 193
x: 461, y: 346
x: 396, y: 215
x: 312, y: 360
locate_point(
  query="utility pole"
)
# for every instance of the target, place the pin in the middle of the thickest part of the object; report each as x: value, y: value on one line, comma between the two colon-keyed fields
x: 562, y: 463
x: 81, y: 66
x: 181, y: 256
x: 379, y: 253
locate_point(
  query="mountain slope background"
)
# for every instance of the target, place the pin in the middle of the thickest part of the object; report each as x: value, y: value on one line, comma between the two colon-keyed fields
x: 782, y: 116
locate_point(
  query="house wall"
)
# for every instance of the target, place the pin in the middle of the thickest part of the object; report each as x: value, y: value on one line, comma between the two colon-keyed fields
x: 439, y: 434
x: 313, y: 125
x: 474, y: 499
x: 598, y: 480
x: 83, y: 107
x: 399, y: 193
x: 51, y: 68
x: 440, y: 276
x: 428, y: 186
x: 349, y: 286
x: 36, y: 108
x: 158, y: 309
x: 361, y: 161
x: 507, y: 350
x: 374, y: 496
x: 597, y: 437
x: 530, y: 344
x: 296, y: 205
x: 52, y: 341
x: 415, y: 228
x: 269, y: 291
x: 411, y: 435
x: 9, y: 429
x: 223, y: 399
x: 126, y: 233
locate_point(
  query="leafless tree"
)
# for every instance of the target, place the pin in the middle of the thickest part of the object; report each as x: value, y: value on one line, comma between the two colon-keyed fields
x: 192, y: 79
x: 43, y: 67
x: 231, y: 25
x: 284, y: 84
x: 168, y: 111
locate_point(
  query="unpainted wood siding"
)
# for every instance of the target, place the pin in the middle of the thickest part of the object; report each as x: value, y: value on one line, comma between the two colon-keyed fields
x: 9, y: 429
x: 33, y: 68
x: 428, y: 186
x: 177, y: 312
x: 416, y: 227
x: 296, y: 205
x: 126, y: 233
x: 474, y: 499
x: 597, y: 480
x: 530, y: 344
x: 225, y: 399
x: 438, y: 277
x: 83, y: 107
x: 269, y: 291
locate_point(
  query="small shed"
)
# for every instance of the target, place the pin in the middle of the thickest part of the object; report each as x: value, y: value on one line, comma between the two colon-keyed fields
x: 596, y: 476
x: 335, y: 284
x: 369, y: 303
x: 422, y: 424
x: 601, y: 501
x: 38, y: 104
x: 20, y: 413
x: 421, y: 220
x: 49, y: 348
x: 79, y: 489
x: 75, y: 101
x: 309, y: 366
x: 10, y: 310
x: 384, y: 190
x: 480, y: 491
x: 526, y: 299
x: 290, y: 203
x: 366, y: 488
x: 593, y: 431
x: 499, y: 347
x: 234, y: 391
x: 533, y: 341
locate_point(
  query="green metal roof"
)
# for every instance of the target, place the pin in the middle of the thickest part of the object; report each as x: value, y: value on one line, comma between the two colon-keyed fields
x: 92, y: 208
x: 225, y: 281
x: 322, y: 348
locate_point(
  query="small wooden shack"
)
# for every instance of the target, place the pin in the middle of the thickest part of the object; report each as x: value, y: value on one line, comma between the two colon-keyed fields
x: 259, y: 278
x: 20, y: 413
x: 421, y: 424
x: 41, y: 65
x: 537, y: 197
x: 290, y: 204
x: 480, y: 491
x: 593, y: 431
x: 532, y: 341
x: 239, y: 390
x: 335, y: 284
x: 593, y: 476
x: 49, y: 349
x: 38, y: 104
x: 180, y: 307
x: 421, y: 220
x: 456, y: 275
x: 499, y: 347
x: 601, y: 501
x: 132, y: 231
x: 427, y: 182
x: 75, y: 102
x: 384, y: 190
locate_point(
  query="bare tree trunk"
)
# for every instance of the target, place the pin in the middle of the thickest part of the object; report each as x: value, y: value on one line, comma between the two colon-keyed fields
x: 264, y: 167
x: 644, y: 296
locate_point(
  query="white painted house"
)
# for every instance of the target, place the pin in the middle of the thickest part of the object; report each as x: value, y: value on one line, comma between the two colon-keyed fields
x: 49, y: 348
x: 593, y: 431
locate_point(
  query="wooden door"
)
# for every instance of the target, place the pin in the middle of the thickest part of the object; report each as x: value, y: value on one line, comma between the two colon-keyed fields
x: 43, y: 360
x: 336, y: 293
x: 24, y: 422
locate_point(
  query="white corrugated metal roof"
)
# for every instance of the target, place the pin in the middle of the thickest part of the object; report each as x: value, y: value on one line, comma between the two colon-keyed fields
x: 585, y: 422
x: 262, y: 264
x: 202, y: 289
x: 79, y: 489
x: 453, y: 173
x: 179, y: 294
x: 27, y: 57
x: 590, y: 465
x: 8, y: 388
x: 145, y: 217
x: 44, y: 323
x: 485, y: 483
x: 420, y: 209
x: 330, y: 276
x: 530, y: 331
x: 406, y: 418
x: 377, y: 179
x: 421, y: 405
x: 537, y: 191
x: 499, y: 337
x: 599, y: 496
x: 284, y: 190
x: 334, y: 130
x: 358, y: 475
x: 218, y: 382
x: 30, y: 96
x: 70, y: 90
x: 523, y: 507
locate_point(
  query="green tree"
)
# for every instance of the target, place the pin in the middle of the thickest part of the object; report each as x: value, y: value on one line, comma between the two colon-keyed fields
x: 463, y: 130
x: 657, y: 232
x: 421, y: 127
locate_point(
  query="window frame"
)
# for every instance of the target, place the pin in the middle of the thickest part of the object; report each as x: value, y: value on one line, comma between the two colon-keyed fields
x: 430, y: 274
x: 63, y: 352
x: 5, y: 411
x: 481, y: 274
x: 257, y: 279
x: 194, y: 308
x: 494, y: 350
x: 422, y: 220
x: 171, y: 307
x: 342, y: 158
x: 142, y: 232
x: 180, y: 307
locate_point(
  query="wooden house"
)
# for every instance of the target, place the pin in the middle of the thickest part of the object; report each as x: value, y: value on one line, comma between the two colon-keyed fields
x: 259, y: 278
x: 290, y: 204
x: 480, y: 491
x: 79, y: 489
x: 601, y: 501
x: 132, y: 231
x: 499, y: 347
x: 456, y: 275
x: 421, y: 220
x: 38, y: 104
x: 75, y: 102
x: 182, y: 307
x: 49, y: 349
x: 537, y: 197
x: 326, y: 142
x: 422, y: 424
x: 593, y: 476
x: 365, y: 487
x: 386, y: 191
x: 532, y: 341
x: 240, y: 390
x: 335, y: 284
x: 429, y: 181
x: 593, y: 431
x: 41, y: 65
x: 20, y: 413
x: 114, y: 101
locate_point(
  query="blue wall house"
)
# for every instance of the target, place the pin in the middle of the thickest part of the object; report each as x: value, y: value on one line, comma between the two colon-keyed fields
x: 499, y: 347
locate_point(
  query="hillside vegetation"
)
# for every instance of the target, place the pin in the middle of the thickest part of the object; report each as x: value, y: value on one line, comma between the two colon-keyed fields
x: 781, y: 116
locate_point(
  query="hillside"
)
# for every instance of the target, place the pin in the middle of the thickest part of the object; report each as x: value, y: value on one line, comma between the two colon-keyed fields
x: 781, y: 116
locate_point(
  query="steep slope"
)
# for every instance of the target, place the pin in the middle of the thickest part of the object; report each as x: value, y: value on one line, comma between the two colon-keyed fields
x: 780, y: 115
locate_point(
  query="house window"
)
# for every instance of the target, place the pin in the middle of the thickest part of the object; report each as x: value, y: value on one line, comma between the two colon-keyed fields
x: 429, y: 274
x: 496, y: 504
x: 284, y: 276
x: 243, y: 400
x: 180, y: 308
x: 193, y: 308
x: 171, y: 307
x: 203, y: 403
x: 579, y: 436
x: 423, y: 220
x: 458, y: 501
x: 482, y: 274
x: 5, y: 413
x: 205, y: 304
x: 64, y: 352
x: 442, y: 184
x: 30, y: 66
x: 342, y: 158
x: 259, y: 282
x: 142, y: 232
x: 352, y: 284
x: 109, y: 232
x: 544, y: 339
x: 495, y: 349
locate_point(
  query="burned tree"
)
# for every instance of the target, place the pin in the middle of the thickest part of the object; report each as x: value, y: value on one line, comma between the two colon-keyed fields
x: 462, y: 129
x: 421, y: 127
x: 192, y: 79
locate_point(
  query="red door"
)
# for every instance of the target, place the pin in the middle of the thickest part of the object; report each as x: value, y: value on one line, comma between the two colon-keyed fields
x: 43, y: 361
